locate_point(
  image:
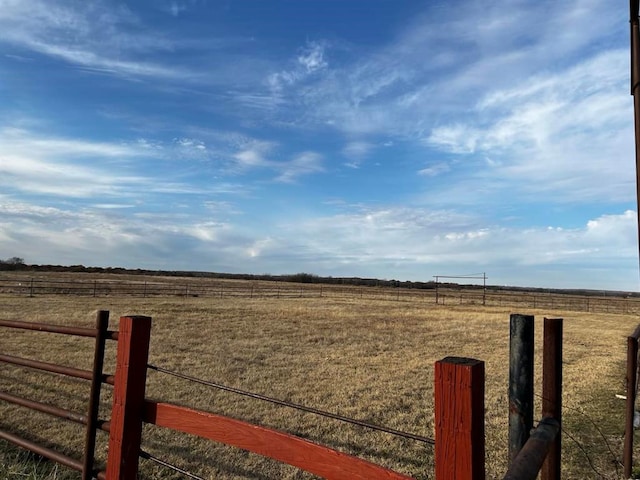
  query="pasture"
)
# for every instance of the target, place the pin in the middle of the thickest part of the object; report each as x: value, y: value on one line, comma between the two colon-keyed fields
x: 362, y: 357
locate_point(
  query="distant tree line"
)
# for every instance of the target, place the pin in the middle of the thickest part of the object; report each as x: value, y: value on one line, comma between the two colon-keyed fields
x: 13, y: 263
x: 18, y: 264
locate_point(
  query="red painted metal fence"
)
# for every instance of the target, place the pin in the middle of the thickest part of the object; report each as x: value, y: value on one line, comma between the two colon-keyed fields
x: 459, y: 415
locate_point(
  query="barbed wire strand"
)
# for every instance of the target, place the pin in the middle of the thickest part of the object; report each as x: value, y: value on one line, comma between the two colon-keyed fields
x: 616, y: 461
x: 585, y: 453
x: 303, y: 408
x: 168, y: 465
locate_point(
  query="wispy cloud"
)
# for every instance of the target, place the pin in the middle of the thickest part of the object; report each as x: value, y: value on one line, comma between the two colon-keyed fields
x: 253, y: 155
x: 97, y: 36
x: 557, y: 135
x: 393, y: 91
x: 435, y: 169
x: 356, y: 152
x: 176, y: 8
x: 306, y: 163
x: 36, y: 164
x: 309, y: 60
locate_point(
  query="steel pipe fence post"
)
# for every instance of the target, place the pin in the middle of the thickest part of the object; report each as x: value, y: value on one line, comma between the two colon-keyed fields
x: 552, y: 392
x: 521, y: 379
x: 102, y: 325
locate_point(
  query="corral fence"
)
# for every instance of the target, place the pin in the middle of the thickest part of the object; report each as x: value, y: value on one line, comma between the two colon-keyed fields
x: 444, y: 294
x: 459, y: 412
x: 631, y: 394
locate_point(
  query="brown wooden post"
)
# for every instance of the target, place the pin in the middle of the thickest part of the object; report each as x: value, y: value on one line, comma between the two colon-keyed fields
x: 552, y: 392
x: 632, y: 365
x: 459, y: 419
x: 128, y: 397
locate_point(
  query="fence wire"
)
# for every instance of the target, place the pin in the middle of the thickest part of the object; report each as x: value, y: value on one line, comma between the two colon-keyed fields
x: 295, y: 406
x: 148, y: 456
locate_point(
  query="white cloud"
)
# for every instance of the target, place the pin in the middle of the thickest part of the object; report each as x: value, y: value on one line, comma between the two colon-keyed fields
x: 424, y: 83
x: 253, y: 155
x: 306, y: 163
x: 356, y: 152
x: 92, y: 35
x: 176, y: 8
x: 418, y: 243
x: 561, y: 134
x: 405, y: 243
x: 309, y: 61
x: 312, y: 57
x: 456, y: 138
x: 32, y: 163
x: 435, y: 169
x: 25, y: 140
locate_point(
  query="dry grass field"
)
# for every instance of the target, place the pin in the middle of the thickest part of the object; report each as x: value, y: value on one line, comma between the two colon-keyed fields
x: 366, y: 358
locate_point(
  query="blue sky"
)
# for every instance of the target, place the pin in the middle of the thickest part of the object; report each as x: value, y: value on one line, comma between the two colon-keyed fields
x: 388, y: 139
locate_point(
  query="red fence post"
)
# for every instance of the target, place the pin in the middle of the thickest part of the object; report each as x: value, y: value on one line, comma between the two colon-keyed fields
x: 459, y: 419
x: 128, y: 398
x: 552, y: 392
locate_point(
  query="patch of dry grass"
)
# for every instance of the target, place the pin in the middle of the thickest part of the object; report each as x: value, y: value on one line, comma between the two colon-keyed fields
x: 364, y: 358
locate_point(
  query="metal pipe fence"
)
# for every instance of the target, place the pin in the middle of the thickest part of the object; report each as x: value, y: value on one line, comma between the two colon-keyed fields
x: 537, y: 450
x: 95, y: 376
x: 459, y: 414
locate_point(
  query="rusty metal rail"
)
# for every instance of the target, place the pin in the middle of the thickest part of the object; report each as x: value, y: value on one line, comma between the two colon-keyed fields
x: 55, y: 368
x: 45, y: 408
x: 96, y: 376
x: 63, y: 329
x: 529, y: 460
x: 80, y: 418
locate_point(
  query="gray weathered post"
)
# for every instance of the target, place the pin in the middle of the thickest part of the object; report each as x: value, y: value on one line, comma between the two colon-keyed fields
x: 521, y: 353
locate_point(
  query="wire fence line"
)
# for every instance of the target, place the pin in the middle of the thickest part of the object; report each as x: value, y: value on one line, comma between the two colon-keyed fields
x: 445, y: 294
x: 170, y: 466
x: 295, y: 406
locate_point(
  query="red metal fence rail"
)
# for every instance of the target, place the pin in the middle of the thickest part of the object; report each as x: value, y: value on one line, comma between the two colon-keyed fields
x: 459, y: 415
x: 130, y: 409
x: 90, y: 420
